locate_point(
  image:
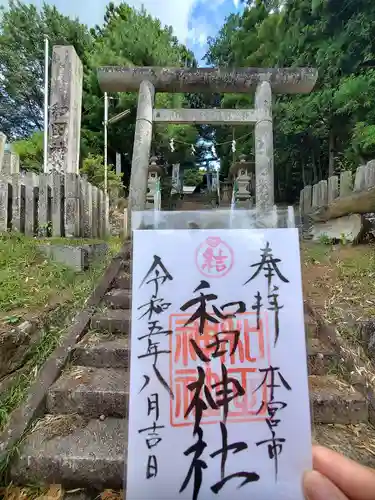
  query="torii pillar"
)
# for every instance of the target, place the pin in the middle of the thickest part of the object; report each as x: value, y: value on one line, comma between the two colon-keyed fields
x: 264, y: 82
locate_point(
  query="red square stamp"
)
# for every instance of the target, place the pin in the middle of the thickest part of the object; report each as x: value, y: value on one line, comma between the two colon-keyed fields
x: 243, y: 356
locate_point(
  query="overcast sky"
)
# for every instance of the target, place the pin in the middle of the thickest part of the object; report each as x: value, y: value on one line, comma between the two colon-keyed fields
x: 192, y: 20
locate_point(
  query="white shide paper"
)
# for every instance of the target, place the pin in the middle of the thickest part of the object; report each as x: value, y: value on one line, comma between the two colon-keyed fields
x: 219, y: 404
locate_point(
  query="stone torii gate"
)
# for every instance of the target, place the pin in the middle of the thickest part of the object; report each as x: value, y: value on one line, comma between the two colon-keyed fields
x: 148, y: 80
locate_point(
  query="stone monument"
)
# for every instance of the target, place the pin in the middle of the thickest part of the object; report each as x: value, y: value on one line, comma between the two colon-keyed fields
x: 65, y: 110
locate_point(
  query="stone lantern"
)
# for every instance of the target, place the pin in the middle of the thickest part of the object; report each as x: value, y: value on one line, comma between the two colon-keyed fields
x: 155, y: 172
x: 242, y: 173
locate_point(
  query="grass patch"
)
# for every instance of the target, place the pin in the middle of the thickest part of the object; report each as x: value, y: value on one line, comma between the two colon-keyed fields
x: 340, y: 282
x: 28, y: 281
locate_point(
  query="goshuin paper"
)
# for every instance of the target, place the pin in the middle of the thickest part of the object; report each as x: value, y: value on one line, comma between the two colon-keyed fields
x: 219, y: 404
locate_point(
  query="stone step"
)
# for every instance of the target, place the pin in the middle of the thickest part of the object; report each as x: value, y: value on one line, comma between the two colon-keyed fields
x: 118, y: 298
x: 100, y: 351
x: 96, y: 392
x: 321, y: 359
x: 311, y: 327
x: 111, y: 321
x: 123, y: 280
x: 78, y: 453
x: 334, y: 401
x: 92, y: 392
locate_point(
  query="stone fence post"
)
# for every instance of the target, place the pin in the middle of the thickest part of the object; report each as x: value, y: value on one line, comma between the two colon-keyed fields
x: 31, y: 185
x: 57, y: 191
x: 370, y: 174
x: 333, y: 188
x: 323, y: 193
x: 72, y: 221
x: 18, y: 211
x: 346, y: 183
x: 360, y: 179
x: 3, y: 203
x: 43, y: 204
x: 11, y: 163
x: 3, y: 139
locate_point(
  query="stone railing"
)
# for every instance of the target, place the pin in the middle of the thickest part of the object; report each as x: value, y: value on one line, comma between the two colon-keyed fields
x: 52, y: 204
x: 325, y: 192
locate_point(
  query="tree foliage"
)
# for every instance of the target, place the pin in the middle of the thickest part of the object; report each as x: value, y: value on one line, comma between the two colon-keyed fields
x: 127, y: 37
x: 332, y: 128
x: 93, y: 169
x: 22, y: 30
x: 193, y: 177
x: 30, y: 151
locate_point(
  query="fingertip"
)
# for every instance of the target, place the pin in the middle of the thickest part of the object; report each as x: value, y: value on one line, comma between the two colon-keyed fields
x: 318, y: 487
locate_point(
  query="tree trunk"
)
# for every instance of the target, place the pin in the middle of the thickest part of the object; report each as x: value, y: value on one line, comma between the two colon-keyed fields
x: 356, y: 203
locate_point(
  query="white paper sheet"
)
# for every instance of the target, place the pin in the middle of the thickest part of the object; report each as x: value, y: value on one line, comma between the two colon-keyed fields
x: 175, y: 450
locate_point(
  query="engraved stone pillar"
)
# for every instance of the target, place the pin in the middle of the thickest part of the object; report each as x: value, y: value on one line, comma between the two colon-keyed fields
x: 333, y: 188
x: 57, y: 188
x: 71, y: 205
x: 87, y: 208
x: 95, y: 221
x: 301, y: 198
x: 307, y: 199
x: 31, y: 182
x: 3, y: 140
x: 370, y: 174
x: 346, y: 183
x: 360, y: 179
x: 264, y: 177
x: 323, y: 193
x: 315, y: 196
x: 11, y: 163
x: 16, y: 202
x: 65, y: 110
x: 43, y: 215
x: 3, y: 203
x: 141, y: 150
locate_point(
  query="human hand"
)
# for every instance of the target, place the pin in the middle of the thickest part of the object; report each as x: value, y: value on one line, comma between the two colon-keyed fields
x: 337, y: 478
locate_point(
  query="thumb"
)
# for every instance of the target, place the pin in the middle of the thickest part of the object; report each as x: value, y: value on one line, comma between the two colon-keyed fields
x: 318, y: 487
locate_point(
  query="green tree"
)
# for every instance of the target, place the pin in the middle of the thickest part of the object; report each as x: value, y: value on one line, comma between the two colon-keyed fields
x: 131, y: 37
x: 30, y: 151
x: 22, y: 29
x: 330, y: 129
x: 93, y: 168
x: 192, y: 177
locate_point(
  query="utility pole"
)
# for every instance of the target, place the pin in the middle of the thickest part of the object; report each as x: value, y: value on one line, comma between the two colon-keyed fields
x: 45, y: 138
x: 105, y: 144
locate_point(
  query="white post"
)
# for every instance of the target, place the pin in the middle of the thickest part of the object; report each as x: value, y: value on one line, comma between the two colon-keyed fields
x: 106, y: 207
x: 105, y: 142
x: 46, y: 62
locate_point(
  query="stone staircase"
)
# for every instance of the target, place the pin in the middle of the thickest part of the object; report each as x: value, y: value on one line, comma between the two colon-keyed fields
x: 81, y: 440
